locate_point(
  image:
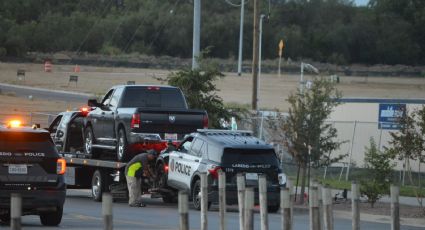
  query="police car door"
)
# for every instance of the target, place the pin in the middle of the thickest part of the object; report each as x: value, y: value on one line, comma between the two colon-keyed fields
x: 178, y: 167
x: 193, y: 159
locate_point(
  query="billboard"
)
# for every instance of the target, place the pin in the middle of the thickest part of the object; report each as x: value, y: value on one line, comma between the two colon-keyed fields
x: 389, y: 115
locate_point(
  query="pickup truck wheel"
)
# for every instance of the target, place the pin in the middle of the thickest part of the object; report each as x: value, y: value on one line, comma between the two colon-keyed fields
x: 122, y: 146
x: 88, y: 143
x: 99, y: 185
x: 51, y: 218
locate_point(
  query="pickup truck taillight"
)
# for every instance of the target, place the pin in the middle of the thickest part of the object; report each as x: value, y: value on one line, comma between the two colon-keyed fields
x: 205, y: 121
x: 135, y: 121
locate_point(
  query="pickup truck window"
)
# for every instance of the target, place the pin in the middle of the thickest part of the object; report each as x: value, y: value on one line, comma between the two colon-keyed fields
x: 115, y: 98
x: 143, y: 97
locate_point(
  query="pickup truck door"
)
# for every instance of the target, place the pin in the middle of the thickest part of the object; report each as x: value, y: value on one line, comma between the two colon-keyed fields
x: 98, y: 117
x: 179, y: 167
x: 110, y: 114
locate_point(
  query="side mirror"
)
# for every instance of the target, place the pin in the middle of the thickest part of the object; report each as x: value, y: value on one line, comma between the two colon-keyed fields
x: 93, y: 103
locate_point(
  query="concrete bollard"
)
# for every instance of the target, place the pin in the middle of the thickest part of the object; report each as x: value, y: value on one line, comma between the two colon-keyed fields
x: 328, y: 220
x: 290, y: 186
x: 241, y: 199
x: 314, y: 209
x: 285, y: 206
x: 395, y: 208
x: 321, y: 212
x: 355, y: 202
x: 222, y: 199
x: 262, y: 189
x: 184, y: 210
x: 249, y: 209
x: 107, y: 211
x: 15, y: 211
x: 204, y: 201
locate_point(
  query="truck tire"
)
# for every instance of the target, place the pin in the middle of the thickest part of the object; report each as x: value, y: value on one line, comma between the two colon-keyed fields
x: 196, y: 200
x: 99, y: 185
x: 88, y: 143
x: 51, y: 218
x: 122, y: 146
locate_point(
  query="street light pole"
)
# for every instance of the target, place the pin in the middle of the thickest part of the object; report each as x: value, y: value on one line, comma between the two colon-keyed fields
x: 241, y: 38
x: 302, y: 78
x: 196, y: 33
x: 259, y: 57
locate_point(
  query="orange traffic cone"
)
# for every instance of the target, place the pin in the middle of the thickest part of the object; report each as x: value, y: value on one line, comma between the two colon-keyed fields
x: 76, y: 69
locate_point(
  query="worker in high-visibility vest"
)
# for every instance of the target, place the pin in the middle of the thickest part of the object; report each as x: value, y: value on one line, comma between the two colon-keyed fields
x: 137, y: 168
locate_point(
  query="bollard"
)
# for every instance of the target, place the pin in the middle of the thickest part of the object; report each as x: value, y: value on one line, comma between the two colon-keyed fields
x: 285, y: 206
x: 249, y: 209
x: 222, y: 198
x: 262, y: 189
x: 16, y: 211
x: 184, y: 210
x: 321, y: 212
x: 355, y: 194
x: 241, y: 199
x: 328, y: 220
x: 290, y: 186
x: 204, y: 201
x: 395, y: 208
x: 314, y: 209
x: 107, y: 211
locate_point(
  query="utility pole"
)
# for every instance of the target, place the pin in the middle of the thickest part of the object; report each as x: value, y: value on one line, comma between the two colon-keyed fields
x: 255, y: 56
x: 241, y: 38
x: 196, y: 33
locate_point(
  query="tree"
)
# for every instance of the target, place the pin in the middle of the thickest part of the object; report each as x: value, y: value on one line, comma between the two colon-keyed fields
x: 378, y: 173
x: 305, y: 129
x: 408, y: 144
x: 200, y: 91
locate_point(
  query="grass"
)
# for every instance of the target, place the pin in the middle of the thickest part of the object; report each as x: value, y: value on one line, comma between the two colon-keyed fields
x: 408, y: 191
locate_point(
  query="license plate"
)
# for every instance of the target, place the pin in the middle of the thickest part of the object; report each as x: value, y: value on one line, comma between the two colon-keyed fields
x: 251, y: 176
x: 170, y: 136
x: 18, y: 169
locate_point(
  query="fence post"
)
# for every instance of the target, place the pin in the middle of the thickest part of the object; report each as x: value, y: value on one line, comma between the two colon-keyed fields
x: 395, y: 211
x: 222, y: 198
x: 285, y: 206
x: 327, y: 208
x: 184, y: 210
x: 107, y: 211
x: 241, y: 199
x: 355, y: 205
x: 16, y: 211
x: 204, y: 201
x: 249, y: 208
x: 314, y: 209
x: 262, y: 189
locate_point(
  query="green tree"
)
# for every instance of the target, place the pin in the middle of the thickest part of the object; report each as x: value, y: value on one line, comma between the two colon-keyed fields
x: 378, y: 174
x: 408, y: 145
x: 200, y: 91
x: 305, y: 129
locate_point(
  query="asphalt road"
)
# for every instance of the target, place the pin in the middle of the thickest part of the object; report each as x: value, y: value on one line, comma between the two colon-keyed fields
x: 24, y: 91
x: 82, y: 213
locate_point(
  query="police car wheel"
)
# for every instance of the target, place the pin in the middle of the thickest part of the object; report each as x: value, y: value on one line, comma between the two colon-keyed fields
x: 51, y: 218
x: 196, y: 200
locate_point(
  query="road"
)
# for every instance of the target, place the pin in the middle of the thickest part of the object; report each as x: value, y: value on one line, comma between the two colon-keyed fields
x: 82, y: 213
x: 25, y: 91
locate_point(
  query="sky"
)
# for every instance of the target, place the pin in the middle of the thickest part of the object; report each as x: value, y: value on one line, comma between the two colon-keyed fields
x: 361, y: 2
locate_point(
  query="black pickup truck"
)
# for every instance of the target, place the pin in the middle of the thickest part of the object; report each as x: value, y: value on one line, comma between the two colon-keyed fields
x: 134, y: 118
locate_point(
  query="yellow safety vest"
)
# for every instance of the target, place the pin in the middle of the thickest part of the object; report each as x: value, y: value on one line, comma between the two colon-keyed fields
x: 133, y: 169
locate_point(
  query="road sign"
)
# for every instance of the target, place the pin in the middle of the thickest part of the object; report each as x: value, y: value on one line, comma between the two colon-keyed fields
x: 390, y: 114
x: 281, y: 47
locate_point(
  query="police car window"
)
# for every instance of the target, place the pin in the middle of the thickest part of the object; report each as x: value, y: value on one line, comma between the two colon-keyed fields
x: 64, y: 121
x: 114, y: 100
x: 108, y: 96
x: 214, y: 153
x: 196, y: 147
x: 55, y: 124
x: 203, y: 151
x: 185, y: 146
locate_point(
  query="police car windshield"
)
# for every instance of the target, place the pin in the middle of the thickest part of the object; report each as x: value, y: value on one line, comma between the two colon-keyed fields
x: 250, y: 156
x: 26, y: 142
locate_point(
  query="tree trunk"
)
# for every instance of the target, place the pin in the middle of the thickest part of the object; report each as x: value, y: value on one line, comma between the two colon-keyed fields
x: 303, y: 175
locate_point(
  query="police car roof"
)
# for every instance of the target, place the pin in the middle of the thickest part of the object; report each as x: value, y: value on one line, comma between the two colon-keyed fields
x: 21, y: 129
x: 234, y: 139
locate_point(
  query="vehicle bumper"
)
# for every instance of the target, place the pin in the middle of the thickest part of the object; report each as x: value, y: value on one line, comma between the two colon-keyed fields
x: 273, y: 195
x: 141, y: 142
x: 34, y: 201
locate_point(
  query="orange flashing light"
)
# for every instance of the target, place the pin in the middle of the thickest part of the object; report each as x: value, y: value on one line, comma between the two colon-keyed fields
x: 61, y: 166
x: 14, y: 123
x: 85, y: 110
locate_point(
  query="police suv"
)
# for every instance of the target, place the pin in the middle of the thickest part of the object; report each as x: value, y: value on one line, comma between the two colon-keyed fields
x: 30, y: 166
x: 231, y: 151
